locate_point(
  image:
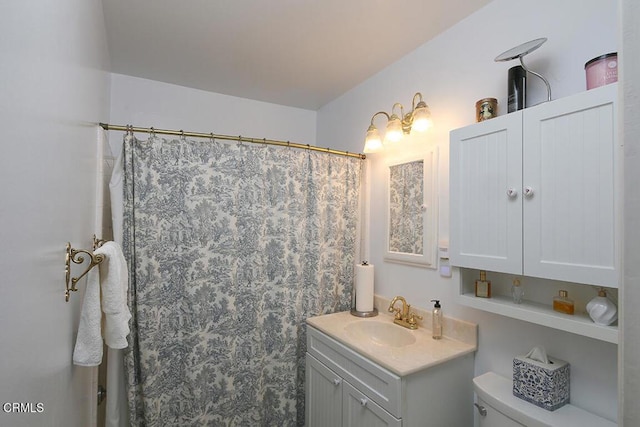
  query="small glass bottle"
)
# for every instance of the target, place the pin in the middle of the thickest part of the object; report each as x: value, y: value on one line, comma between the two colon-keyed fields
x: 517, y: 292
x: 562, y: 303
x: 483, y: 286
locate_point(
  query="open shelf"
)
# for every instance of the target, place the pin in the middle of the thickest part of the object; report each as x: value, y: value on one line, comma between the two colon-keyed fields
x: 542, y: 314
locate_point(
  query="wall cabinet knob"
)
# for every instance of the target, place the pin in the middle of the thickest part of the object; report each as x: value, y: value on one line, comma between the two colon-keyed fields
x: 528, y: 192
x: 337, y: 381
x: 512, y: 193
x: 363, y: 402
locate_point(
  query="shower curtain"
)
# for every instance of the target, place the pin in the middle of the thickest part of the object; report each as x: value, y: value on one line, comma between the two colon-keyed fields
x: 231, y: 246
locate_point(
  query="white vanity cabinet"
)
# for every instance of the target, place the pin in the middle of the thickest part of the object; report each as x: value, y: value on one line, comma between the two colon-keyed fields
x: 332, y: 402
x: 359, y: 411
x: 344, y: 388
x: 537, y: 193
x: 324, y: 390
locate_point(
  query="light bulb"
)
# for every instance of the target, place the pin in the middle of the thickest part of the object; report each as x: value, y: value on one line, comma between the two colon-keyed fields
x: 372, y: 142
x: 421, y: 118
x: 394, y: 129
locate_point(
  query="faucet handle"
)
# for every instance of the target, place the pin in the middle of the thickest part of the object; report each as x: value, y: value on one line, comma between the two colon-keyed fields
x: 397, y: 314
x: 412, y: 318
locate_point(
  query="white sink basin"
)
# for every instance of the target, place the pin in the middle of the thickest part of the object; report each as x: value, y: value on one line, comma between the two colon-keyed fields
x: 401, y: 350
x: 380, y: 333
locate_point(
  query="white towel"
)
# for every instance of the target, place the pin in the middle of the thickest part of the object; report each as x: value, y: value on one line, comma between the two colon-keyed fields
x: 117, y: 410
x: 88, y: 350
x: 112, y: 278
x: 115, y: 283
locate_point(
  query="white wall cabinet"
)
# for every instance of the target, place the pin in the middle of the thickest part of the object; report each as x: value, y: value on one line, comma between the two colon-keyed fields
x: 344, y: 388
x: 536, y: 192
x: 486, y: 208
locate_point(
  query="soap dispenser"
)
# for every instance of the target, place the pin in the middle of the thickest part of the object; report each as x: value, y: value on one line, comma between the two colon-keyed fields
x: 436, y: 320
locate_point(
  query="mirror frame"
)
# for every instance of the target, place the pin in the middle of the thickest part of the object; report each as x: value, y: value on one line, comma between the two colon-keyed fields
x: 428, y: 259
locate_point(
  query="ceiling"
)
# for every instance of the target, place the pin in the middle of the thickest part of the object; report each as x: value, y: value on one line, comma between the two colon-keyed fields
x: 299, y: 53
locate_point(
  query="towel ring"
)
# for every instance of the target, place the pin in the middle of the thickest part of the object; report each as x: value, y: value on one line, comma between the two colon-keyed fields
x: 75, y: 256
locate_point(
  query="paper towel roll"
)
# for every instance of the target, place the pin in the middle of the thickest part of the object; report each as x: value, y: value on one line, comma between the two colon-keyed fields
x: 364, y: 287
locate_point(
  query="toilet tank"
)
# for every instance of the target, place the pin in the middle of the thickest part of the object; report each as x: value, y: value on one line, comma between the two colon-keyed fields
x: 493, y: 418
x: 498, y: 407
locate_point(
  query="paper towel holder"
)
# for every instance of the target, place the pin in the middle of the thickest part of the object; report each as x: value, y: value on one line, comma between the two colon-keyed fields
x: 357, y: 313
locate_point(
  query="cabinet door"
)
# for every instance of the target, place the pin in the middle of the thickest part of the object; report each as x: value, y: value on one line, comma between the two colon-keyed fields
x: 570, y: 166
x: 485, y: 195
x: 359, y: 411
x: 323, y: 405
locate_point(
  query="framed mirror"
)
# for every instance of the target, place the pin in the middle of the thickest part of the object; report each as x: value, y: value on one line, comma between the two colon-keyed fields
x: 412, y: 212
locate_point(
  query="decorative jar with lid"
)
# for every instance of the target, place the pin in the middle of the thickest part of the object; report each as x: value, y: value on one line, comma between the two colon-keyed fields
x: 602, y: 310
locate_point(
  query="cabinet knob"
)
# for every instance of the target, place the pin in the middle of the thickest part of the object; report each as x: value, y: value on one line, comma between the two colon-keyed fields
x: 528, y: 192
x: 363, y: 402
x: 337, y: 381
x: 481, y: 409
x: 512, y: 193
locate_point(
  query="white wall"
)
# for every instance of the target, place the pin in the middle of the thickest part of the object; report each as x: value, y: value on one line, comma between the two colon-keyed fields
x: 148, y: 103
x: 630, y: 327
x: 454, y: 71
x: 54, y: 89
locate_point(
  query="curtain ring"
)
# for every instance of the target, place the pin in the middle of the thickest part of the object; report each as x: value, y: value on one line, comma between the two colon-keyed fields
x: 182, y: 137
x: 240, y: 140
x: 212, y: 137
x: 152, y: 132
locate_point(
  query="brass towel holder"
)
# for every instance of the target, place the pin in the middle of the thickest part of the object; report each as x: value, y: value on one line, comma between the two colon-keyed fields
x: 75, y: 255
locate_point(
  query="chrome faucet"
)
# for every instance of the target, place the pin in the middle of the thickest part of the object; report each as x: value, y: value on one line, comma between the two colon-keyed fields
x: 404, y: 316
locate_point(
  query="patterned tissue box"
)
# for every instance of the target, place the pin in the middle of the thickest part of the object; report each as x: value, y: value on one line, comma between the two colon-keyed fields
x: 544, y: 384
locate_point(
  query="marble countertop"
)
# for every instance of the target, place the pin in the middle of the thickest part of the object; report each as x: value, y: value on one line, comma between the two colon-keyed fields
x: 423, y: 353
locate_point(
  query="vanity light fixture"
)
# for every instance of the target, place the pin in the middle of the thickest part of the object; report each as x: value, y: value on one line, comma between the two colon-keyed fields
x: 416, y: 120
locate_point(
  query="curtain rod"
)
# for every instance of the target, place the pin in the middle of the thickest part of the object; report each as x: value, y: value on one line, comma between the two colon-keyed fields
x: 107, y: 126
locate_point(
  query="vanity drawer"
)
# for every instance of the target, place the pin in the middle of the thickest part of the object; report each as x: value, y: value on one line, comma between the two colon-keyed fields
x: 379, y: 384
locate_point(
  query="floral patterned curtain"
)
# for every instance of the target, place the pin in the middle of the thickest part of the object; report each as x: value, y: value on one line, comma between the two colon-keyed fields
x: 230, y: 248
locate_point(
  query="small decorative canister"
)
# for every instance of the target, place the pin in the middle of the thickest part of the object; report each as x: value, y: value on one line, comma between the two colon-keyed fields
x: 486, y: 109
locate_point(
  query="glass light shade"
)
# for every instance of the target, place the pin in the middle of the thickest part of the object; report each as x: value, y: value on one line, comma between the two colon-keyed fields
x: 421, y: 119
x: 372, y: 142
x: 394, y: 129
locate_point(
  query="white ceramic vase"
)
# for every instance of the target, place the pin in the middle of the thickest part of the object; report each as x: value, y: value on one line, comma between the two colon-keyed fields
x: 602, y: 310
